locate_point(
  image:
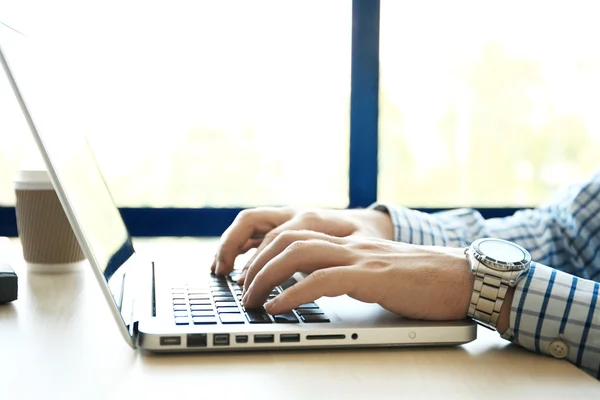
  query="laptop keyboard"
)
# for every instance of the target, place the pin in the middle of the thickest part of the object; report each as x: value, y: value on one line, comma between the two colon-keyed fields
x: 215, y: 303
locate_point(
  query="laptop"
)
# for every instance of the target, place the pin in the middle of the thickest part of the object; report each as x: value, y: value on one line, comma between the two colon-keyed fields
x: 174, y: 306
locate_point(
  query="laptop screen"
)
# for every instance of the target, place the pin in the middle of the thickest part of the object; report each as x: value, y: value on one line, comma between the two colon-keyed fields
x: 35, y: 75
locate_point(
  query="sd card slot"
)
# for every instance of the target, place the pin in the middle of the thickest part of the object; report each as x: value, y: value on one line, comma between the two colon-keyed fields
x: 324, y: 337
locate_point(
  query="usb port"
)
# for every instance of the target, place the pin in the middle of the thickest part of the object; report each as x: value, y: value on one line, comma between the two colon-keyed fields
x: 241, y: 339
x: 221, y: 339
x: 289, y: 337
x: 196, y: 340
x: 170, y: 340
x: 264, y: 338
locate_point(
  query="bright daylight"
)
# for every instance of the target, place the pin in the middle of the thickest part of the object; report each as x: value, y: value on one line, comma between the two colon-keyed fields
x: 189, y: 112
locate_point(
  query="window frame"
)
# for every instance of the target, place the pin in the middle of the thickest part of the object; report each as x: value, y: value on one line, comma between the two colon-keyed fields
x: 363, y: 158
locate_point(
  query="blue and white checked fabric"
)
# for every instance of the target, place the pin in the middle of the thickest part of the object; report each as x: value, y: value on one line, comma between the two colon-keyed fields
x: 558, y: 300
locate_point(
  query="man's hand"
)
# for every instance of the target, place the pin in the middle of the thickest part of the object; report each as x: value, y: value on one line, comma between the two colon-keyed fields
x: 257, y: 228
x: 423, y: 282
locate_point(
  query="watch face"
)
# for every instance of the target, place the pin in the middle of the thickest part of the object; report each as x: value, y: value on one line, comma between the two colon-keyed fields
x: 501, y: 254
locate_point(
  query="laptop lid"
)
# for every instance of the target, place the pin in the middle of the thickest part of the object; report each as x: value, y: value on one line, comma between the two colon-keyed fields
x: 35, y: 80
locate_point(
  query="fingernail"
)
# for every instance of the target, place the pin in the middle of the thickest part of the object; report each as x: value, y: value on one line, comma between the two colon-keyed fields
x: 270, y: 304
x: 245, y: 297
x: 242, y: 278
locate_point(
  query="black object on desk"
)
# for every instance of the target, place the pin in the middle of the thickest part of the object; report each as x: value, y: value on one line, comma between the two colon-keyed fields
x: 8, y: 282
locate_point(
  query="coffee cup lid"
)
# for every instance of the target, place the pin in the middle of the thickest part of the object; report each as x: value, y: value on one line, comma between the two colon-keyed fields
x: 33, y: 180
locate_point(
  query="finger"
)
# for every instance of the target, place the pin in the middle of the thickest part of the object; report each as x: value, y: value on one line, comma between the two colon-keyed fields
x: 248, y: 224
x: 277, y: 246
x: 302, y: 256
x: 291, y: 225
x: 331, y: 282
x: 251, y: 243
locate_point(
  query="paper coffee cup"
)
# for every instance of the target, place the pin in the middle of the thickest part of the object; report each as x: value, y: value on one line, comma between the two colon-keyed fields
x: 49, y: 244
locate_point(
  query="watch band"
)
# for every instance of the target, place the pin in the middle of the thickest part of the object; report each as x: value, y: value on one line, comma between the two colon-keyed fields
x: 488, y: 295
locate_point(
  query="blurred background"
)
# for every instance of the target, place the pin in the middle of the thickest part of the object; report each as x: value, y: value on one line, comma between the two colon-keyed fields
x: 246, y: 103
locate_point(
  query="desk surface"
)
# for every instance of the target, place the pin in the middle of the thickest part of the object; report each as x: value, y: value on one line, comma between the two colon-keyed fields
x: 58, y: 340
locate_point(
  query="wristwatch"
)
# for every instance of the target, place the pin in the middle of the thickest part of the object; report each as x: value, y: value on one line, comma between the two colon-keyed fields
x: 497, y: 265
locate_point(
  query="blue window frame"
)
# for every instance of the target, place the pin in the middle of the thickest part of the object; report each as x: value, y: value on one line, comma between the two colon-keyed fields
x: 363, y: 171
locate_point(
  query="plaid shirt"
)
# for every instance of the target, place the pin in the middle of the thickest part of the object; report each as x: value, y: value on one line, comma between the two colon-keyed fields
x: 555, y: 309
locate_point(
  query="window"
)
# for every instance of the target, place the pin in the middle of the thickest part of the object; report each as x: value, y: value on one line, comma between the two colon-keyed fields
x: 219, y: 105
x: 200, y: 104
x: 486, y: 104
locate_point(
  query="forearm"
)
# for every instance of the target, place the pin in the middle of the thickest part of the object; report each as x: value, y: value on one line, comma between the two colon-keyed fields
x: 373, y: 223
x: 570, y: 242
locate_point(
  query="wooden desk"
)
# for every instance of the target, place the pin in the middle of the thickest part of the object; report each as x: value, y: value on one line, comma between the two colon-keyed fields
x: 58, y: 340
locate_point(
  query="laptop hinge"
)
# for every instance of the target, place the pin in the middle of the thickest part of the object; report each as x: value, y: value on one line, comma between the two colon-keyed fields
x: 139, y: 286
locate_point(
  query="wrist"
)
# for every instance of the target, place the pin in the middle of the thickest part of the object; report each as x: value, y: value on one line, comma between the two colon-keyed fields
x: 466, y: 282
x: 455, y: 284
x: 378, y: 221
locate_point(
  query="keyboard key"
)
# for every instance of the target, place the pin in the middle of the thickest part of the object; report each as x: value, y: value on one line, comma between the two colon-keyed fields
x: 203, y: 313
x: 310, y: 311
x: 289, y: 283
x: 200, y: 302
x: 231, y: 318
x: 182, y: 320
x: 198, y: 292
x: 287, y: 318
x: 180, y: 308
x: 225, y: 304
x: 230, y: 310
x: 201, y: 308
x: 179, y: 303
x: 307, y: 305
x: 221, y: 294
x: 314, y: 318
x: 204, y: 320
x: 181, y: 313
x: 258, y: 317
x: 200, y: 297
x: 223, y: 298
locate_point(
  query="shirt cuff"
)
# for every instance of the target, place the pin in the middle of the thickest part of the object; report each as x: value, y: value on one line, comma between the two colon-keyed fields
x: 557, y: 314
x: 417, y: 227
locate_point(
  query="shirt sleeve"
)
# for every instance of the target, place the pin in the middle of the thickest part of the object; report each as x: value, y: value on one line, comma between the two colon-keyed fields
x: 557, y: 314
x: 564, y: 233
